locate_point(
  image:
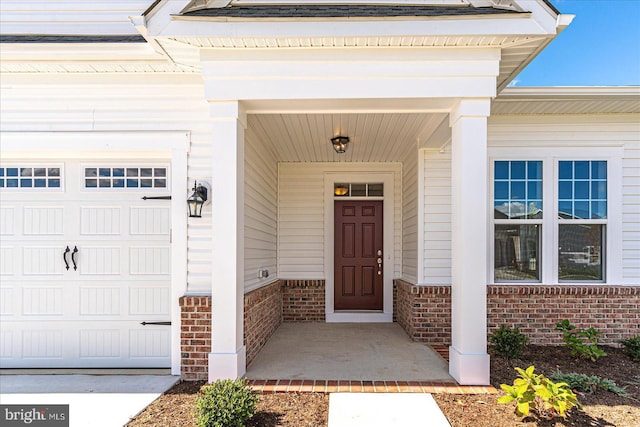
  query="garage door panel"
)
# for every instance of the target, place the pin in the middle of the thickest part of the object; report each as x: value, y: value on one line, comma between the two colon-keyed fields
x: 150, y: 260
x: 7, y: 261
x: 40, y: 260
x: 42, y: 343
x: 100, y: 221
x: 7, y: 223
x: 42, y: 301
x: 150, y: 343
x: 149, y: 301
x: 43, y: 220
x: 7, y: 301
x: 100, y: 301
x: 99, y: 261
x: 149, y: 221
x: 100, y: 343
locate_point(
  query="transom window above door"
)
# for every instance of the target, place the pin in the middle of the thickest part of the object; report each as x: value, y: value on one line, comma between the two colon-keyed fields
x: 353, y: 189
x: 125, y: 177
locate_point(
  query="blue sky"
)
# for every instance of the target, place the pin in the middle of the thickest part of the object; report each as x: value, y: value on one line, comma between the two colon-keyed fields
x: 601, y: 47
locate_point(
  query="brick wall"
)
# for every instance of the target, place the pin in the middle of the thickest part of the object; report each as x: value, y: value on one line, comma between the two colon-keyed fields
x: 303, y: 301
x: 262, y: 316
x: 424, y: 312
x: 195, y: 337
x: 615, y: 310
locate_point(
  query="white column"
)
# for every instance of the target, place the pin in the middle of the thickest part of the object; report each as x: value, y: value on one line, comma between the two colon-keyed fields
x: 468, y: 358
x: 228, y: 354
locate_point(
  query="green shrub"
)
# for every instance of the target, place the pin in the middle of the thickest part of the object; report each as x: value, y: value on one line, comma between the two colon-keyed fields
x: 225, y: 403
x: 583, y: 342
x: 508, y: 343
x: 536, y: 392
x: 588, y: 384
x: 632, y: 345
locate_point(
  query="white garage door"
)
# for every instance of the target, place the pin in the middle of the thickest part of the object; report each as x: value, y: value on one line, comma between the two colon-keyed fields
x: 84, y: 261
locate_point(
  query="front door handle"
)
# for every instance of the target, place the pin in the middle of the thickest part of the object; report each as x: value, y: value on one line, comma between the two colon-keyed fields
x: 73, y: 258
x: 64, y: 257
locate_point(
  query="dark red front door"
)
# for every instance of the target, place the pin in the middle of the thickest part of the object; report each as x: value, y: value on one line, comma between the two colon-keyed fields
x: 358, y: 255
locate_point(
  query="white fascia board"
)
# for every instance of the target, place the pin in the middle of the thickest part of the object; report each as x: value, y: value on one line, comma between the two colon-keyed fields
x: 564, y: 92
x: 78, y: 52
x: 159, y: 16
x: 189, y: 26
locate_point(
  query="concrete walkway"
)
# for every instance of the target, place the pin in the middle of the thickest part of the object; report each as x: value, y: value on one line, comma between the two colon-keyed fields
x: 347, y: 351
x: 384, y: 410
x: 94, y: 400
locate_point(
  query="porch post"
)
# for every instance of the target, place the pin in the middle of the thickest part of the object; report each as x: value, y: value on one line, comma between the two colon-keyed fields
x: 469, y: 361
x: 228, y: 354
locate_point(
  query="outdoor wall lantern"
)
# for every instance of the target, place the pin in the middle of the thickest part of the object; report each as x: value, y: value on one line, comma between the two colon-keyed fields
x: 197, y: 200
x: 340, y: 143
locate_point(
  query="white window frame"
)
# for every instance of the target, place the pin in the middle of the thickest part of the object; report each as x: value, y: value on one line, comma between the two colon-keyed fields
x: 550, y: 157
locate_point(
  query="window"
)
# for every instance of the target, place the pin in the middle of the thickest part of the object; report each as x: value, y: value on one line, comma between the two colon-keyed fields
x: 517, y: 193
x: 30, y: 178
x: 125, y: 177
x: 358, y: 189
x: 582, y: 209
x: 553, y: 219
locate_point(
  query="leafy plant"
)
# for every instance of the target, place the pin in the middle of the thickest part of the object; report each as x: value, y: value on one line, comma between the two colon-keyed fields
x: 507, y: 342
x: 536, y: 392
x: 225, y: 403
x: 632, y: 345
x: 582, y: 342
x: 588, y: 384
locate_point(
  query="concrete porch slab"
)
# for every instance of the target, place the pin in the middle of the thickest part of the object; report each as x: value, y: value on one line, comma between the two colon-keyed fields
x: 384, y: 410
x: 347, y: 351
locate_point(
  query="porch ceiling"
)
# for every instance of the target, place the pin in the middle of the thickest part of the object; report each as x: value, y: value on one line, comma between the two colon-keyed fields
x: 375, y: 137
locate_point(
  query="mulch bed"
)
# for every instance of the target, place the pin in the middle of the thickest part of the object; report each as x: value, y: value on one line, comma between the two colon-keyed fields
x: 601, y: 408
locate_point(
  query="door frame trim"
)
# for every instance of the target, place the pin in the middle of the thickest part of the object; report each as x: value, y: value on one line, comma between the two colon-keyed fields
x: 171, y: 145
x: 385, y: 175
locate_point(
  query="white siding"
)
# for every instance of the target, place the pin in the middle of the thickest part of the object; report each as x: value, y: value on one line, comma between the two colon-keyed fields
x: 410, y: 217
x: 123, y: 103
x: 261, y: 197
x: 301, y: 217
x: 70, y: 16
x: 437, y: 217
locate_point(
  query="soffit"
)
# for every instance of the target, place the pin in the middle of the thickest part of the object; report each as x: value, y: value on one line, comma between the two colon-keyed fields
x: 373, y: 137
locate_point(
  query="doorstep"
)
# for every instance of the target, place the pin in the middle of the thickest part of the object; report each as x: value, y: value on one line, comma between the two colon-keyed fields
x: 357, y: 386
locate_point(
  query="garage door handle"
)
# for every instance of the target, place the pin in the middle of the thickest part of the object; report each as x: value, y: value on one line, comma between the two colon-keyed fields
x: 73, y: 258
x: 64, y: 257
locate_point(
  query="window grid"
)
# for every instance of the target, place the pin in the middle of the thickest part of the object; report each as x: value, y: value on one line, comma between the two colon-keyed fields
x: 125, y: 177
x: 31, y: 177
x: 582, y: 189
x: 517, y: 190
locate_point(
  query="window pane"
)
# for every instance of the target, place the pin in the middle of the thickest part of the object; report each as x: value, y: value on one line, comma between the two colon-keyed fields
x: 581, y: 170
x: 599, y: 170
x: 358, y: 190
x: 517, y: 252
x: 534, y: 190
x: 54, y: 171
x: 565, y: 170
x: 25, y: 172
x: 341, y: 189
x: 162, y: 172
x: 12, y: 171
x: 581, y: 209
x: 91, y: 172
x: 581, y: 190
x: 39, y: 172
x: 599, y: 190
x: 517, y: 170
x: 598, y: 210
x: 132, y: 172
x: 534, y: 170
x: 517, y: 190
x: 54, y: 182
x: 501, y: 190
x: 501, y: 170
x: 105, y: 171
x: 376, y: 190
x: 580, y: 252
x: 565, y: 209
